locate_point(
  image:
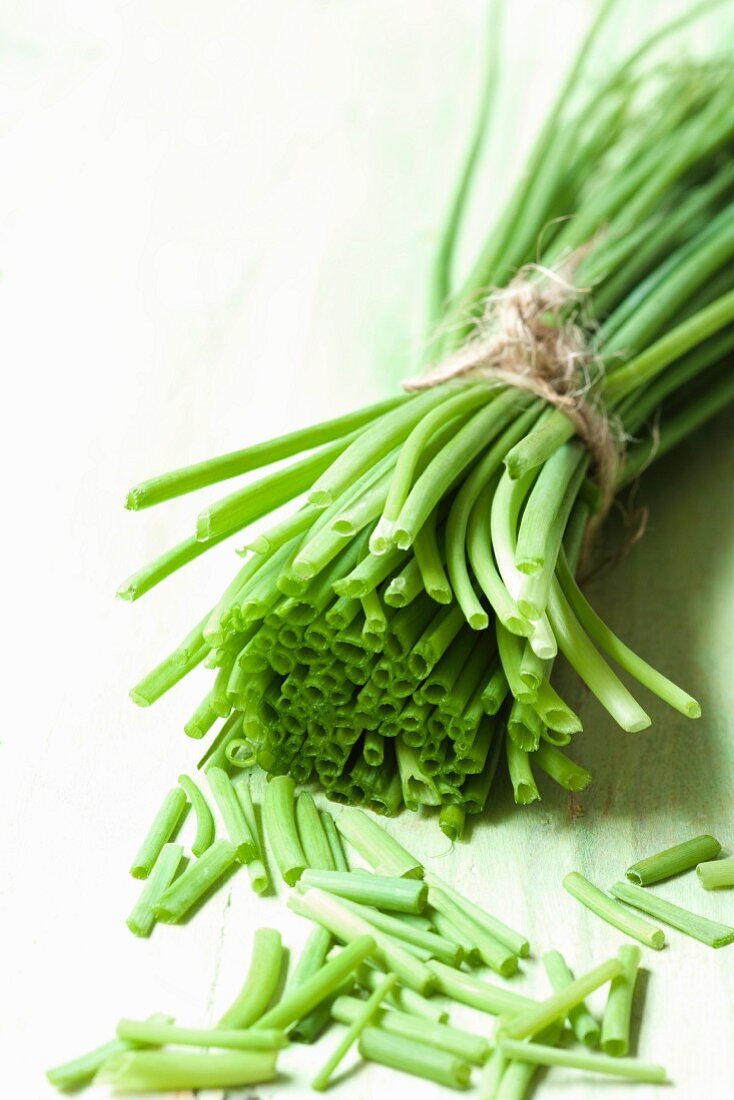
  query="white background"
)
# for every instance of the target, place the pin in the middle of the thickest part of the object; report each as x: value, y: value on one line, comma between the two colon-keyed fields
x: 215, y: 221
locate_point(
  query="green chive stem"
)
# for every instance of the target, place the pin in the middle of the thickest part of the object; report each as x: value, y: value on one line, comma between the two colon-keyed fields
x: 615, y: 1031
x: 281, y: 830
x: 396, y: 894
x: 165, y: 823
x: 610, y: 911
x: 204, y: 819
x: 673, y: 861
x: 540, y: 1055
x: 699, y: 928
x: 584, y: 1026
x: 716, y: 874
x: 557, y: 1006
x: 366, y: 1014
x: 198, y: 878
x: 141, y: 919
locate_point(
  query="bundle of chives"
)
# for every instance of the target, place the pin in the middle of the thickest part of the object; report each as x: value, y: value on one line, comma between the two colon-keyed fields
x: 430, y: 570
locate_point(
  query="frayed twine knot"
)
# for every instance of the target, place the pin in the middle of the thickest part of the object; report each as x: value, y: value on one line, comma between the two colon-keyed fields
x: 530, y: 336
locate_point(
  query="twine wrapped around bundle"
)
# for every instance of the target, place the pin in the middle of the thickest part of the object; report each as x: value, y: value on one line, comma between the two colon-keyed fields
x: 529, y: 337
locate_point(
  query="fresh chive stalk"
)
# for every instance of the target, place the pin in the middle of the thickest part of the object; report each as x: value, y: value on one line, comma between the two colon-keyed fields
x: 142, y: 918
x: 80, y: 1071
x: 699, y: 928
x: 556, y: 1007
x: 377, y: 846
x: 232, y: 814
x: 472, y: 1048
x: 147, y: 1033
x: 583, y: 1024
x: 365, y: 1015
x: 615, y: 1031
x: 468, y: 990
x: 256, y: 868
x: 512, y: 940
x: 612, y: 912
x: 281, y: 829
x: 398, y: 894
x: 716, y: 874
x: 195, y: 882
x: 673, y: 861
x: 261, y: 982
x: 311, y: 833
x: 205, y: 829
x: 150, y: 1071
x: 628, y: 1068
x: 163, y: 828
x: 418, y: 1059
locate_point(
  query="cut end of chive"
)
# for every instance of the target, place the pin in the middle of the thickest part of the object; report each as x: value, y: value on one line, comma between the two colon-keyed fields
x: 135, y: 498
x: 291, y: 875
x: 259, y: 545
x: 322, y: 498
x: 692, y: 709
x: 562, y: 721
x: 635, y: 725
x: 530, y: 610
x: 403, y: 539
x: 617, y: 1048
x: 657, y: 939
x: 529, y: 566
x: 524, y: 795
x: 443, y: 595
x: 138, y: 698
x: 344, y: 527
x: 303, y: 570
x: 203, y: 526
x: 635, y: 876
x: 478, y: 620
x: 127, y: 590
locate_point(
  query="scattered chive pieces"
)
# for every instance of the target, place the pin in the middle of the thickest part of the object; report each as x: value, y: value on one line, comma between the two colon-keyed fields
x: 204, y: 819
x: 314, y: 841
x: 613, y: 913
x: 198, y: 878
x: 699, y: 928
x: 615, y: 1029
x: 584, y: 1026
x: 541, y: 1055
x: 415, y: 1058
x: 383, y: 892
x: 716, y: 873
x: 556, y: 1007
x: 381, y: 850
x: 261, y: 982
x: 141, y: 919
x: 163, y: 828
x: 153, y: 1034
x: 366, y: 1014
x: 672, y: 861
x: 232, y: 815
x: 281, y: 830
x: 472, y: 1048
x: 153, y: 1070
x: 297, y: 1002
x: 418, y: 939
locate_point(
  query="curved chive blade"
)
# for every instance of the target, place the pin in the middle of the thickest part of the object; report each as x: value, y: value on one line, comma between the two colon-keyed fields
x: 615, y: 1031
x: 261, y: 982
x: 717, y: 874
x: 281, y: 830
x: 541, y: 1055
x: 141, y: 919
x: 554, y: 1008
x: 699, y: 928
x: 148, y: 1071
x: 147, y: 1033
x: 164, y: 826
x: 196, y: 881
x: 584, y: 1026
x: 613, y: 913
x: 297, y: 1002
x: 673, y: 861
x: 232, y: 815
x: 356, y: 1027
x: 204, y: 819
x: 398, y: 894
x: 415, y: 1058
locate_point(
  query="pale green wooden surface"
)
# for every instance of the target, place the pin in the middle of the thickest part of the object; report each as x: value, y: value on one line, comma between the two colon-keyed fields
x: 216, y: 227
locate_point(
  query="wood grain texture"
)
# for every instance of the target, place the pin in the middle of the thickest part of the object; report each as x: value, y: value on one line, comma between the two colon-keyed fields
x: 216, y: 228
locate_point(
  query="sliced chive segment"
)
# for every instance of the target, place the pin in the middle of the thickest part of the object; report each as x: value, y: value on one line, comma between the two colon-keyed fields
x: 472, y: 1048
x: 148, y: 1070
x: 297, y: 1002
x: 80, y: 1071
x: 493, y: 953
x: 434, y: 946
x: 716, y: 874
x: 198, y: 878
x: 399, y: 894
x: 281, y: 830
x: 415, y: 1058
x: 261, y: 981
x: 615, y: 1031
x: 204, y: 819
x: 541, y: 1055
x: 613, y: 913
x: 256, y: 868
x: 584, y: 1026
x: 381, y: 850
x: 699, y: 928
x: 148, y: 1033
x: 468, y: 990
x: 672, y: 861
x: 404, y: 998
x: 311, y: 833
x: 556, y: 1007
x: 332, y: 835
x: 234, y: 819
x: 164, y: 826
x: 514, y: 941
x: 141, y: 919
x: 365, y: 1015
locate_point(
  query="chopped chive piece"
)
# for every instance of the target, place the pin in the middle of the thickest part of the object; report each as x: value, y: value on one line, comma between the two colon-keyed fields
x: 493, y: 953
x: 558, y: 1006
x: 399, y: 894
x: 492, y: 1076
x: 163, y: 828
x: 472, y: 991
x: 234, y: 819
x: 404, y: 998
x: 450, y: 932
x: 374, y: 844
x: 281, y: 830
x: 204, y: 820
x: 613, y: 913
x: 348, y: 926
x: 151, y: 1070
x: 142, y: 919
x: 615, y: 1030
x: 584, y: 1026
x: 80, y: 1071
x: 367, y: 1012
x: 416, y: 939
x: 198, y: 878
x: 567, y: 773
x: 311, y: 833
x: 541, y: 1055
x: 335, y: 843
x: 717, y: 873
x: 313, y: 956
x: 190, y: 653
x: 514, y: 941
x: 672, y: 861
x: 451, y: 821
x: 261, y: 982
x: 699, y: 928
x: 256, y: 868
x: 297, y: 1002
x: 415, y: 1058
x: 148, y: 1033
x: 472, y: 1048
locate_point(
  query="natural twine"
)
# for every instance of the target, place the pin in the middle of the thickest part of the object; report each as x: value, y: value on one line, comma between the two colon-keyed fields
x: 529, y: 337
